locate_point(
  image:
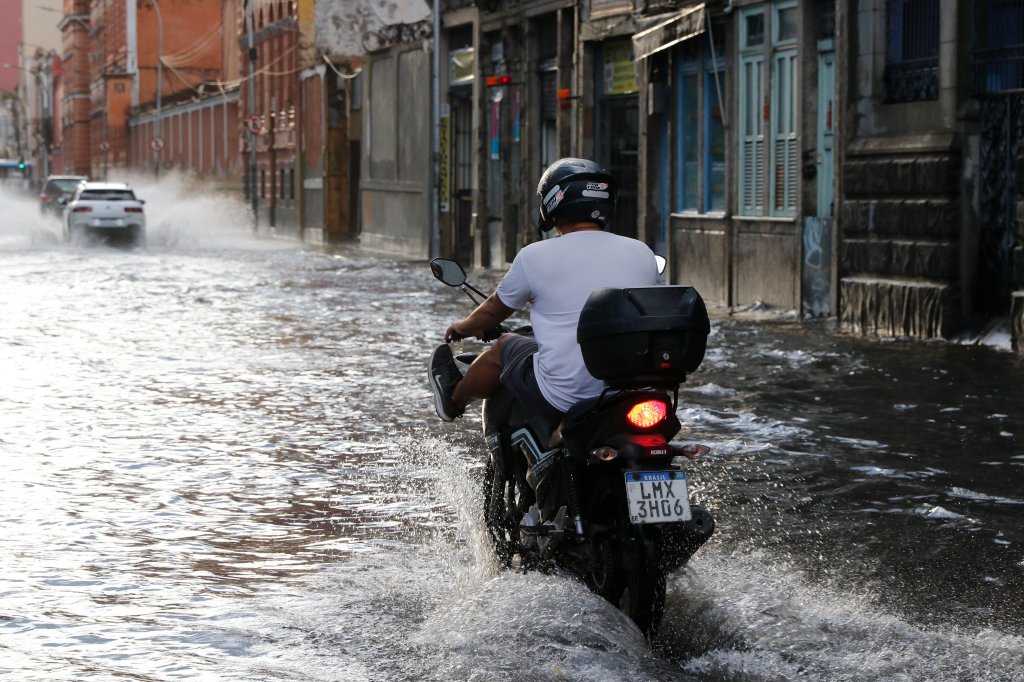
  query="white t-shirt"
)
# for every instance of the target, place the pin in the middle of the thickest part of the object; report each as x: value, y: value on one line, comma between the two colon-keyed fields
x: 557, y: 276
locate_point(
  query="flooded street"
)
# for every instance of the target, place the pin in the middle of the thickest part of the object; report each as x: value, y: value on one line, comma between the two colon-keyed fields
x: 221, y: 462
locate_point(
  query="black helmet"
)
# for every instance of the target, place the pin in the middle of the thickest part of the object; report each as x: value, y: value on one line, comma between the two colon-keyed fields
x: 575, y: 189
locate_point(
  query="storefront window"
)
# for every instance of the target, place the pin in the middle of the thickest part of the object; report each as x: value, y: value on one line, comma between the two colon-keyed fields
x: 714, y: 140
x: 689, y: 129
x: 700, y: 140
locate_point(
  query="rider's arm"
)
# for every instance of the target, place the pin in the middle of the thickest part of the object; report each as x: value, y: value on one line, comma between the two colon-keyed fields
x: 487, y: 315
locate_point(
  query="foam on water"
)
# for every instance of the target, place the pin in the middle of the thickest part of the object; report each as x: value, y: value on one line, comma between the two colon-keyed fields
x: 440, y: 609
x: 22, y: 226
x: 755, y: 616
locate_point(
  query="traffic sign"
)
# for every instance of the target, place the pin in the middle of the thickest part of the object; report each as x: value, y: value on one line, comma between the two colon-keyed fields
x: 157, y: 144
x: 254, y: 124
x: 104, y: 146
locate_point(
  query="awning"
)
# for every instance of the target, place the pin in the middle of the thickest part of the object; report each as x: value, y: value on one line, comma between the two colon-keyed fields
x: 685, y: 25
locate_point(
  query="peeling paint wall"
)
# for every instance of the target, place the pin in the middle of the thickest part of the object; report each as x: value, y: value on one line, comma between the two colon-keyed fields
x: 347, y: 29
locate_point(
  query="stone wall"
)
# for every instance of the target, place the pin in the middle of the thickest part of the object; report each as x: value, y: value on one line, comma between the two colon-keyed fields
x: 1017, y: 301
x: 900, y: 248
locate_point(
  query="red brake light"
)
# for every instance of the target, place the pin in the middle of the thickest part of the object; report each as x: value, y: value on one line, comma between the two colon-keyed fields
x: 133, y: 209
x: 647, y: 414
x: 81, y: 209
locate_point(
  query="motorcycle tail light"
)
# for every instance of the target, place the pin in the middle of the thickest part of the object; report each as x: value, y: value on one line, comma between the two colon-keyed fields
x: 82, y: 209
x: 647, y: 414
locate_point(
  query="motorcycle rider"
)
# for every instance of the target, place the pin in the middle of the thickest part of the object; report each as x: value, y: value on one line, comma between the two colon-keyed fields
x: 546, y: 373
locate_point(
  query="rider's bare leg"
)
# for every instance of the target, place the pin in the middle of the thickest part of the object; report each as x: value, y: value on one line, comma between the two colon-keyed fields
x: 483, y: 378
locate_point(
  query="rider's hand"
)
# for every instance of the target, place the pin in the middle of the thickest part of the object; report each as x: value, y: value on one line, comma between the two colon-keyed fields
x: 453, y: 333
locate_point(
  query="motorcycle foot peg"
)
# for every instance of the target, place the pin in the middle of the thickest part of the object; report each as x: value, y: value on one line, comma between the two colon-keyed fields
x: 529, y: 528
x: 550, y: 541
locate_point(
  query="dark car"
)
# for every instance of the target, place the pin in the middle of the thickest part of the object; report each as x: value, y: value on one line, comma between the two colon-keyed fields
x: 58, y: 187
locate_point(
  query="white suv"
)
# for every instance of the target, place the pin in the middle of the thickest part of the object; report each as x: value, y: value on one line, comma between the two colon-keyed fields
x: 108, y: 210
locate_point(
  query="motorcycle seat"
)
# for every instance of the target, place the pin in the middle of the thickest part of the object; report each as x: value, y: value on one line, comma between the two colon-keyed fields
x: 575, y: 412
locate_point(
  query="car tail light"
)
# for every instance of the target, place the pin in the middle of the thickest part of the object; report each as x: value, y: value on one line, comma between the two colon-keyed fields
x: 647, y: 414
x: 45, y: 197
x: 82, y: 209
x: 133, y: 209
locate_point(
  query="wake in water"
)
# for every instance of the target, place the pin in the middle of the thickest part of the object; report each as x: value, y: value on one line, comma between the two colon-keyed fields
x: 181, y: 212
x: 752, y: 616
x: 436, y: 607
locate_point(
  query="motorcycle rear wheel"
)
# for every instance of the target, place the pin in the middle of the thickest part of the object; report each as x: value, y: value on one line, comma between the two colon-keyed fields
x: 621, y: 570
x: 643, y: 600
x: 501, y: 518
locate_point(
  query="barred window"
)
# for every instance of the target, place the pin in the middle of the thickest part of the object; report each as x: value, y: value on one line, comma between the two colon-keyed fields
x: 912, y: 50
x: 998, y: 54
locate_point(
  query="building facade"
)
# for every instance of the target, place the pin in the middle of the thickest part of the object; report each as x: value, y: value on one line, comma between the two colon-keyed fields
x: 141, y: 88
x: 12, y: 108
x: 376, y: 123
x: 856, y: 159
x: 75, y: 101
x: 194, y: 128
x: 931, y: 224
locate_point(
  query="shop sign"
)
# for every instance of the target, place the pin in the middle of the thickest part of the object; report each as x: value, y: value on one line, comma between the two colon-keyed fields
x: 445, y: 171
x: 619, y: 68
x: 461, y: 65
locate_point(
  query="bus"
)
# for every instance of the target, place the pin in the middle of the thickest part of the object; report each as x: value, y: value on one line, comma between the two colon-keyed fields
x: 15, y: 174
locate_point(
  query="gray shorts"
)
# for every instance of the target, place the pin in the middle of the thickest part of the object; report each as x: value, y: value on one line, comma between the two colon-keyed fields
x: 517, y: 375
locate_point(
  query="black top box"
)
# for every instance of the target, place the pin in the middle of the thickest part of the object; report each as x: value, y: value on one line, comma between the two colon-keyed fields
x: 644, y: 336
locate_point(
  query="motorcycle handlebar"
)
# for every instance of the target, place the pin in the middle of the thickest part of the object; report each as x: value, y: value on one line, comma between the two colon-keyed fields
x: 489, y: 335
x: 494, y: 334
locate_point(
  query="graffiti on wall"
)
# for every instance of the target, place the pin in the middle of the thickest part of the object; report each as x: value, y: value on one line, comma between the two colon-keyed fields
x: 397, y: 34
x: 816, y: 270
x: 353, y: 28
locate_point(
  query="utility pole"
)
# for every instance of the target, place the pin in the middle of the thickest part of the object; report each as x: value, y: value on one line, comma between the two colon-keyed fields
x: 158, y: 149
x: 132, y: 48
x: 253, y: 196
x: 435, y: 139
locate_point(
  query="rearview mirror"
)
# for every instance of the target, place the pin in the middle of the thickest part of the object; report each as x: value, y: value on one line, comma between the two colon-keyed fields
x: 448, y: 271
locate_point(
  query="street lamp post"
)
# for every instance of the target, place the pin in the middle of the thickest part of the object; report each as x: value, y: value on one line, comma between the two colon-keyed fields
x: 158, y: 149
x: 253, y: 186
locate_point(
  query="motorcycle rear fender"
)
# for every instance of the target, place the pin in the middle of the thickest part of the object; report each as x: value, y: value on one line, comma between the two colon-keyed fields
x: 602, y: 422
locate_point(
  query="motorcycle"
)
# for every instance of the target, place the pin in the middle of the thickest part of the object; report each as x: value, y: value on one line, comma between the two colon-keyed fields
x: 603, y: 494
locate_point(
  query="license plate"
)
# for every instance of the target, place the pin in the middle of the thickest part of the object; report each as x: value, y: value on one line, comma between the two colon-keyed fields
x: 108, y: 222
x: 657, y: 496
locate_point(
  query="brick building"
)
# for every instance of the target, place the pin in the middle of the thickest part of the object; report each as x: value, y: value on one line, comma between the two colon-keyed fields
x: 123, y: 58
x: 279, y: 33
x: 75, y: 102
x: 197, y: 118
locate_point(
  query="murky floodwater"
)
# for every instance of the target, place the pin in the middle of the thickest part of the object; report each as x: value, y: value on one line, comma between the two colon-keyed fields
x: 221, y: 462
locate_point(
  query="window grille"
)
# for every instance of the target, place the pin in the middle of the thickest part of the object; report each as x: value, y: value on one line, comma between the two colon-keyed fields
x: 826, y: 20
x: 912, y: 50
x: 998, y: 54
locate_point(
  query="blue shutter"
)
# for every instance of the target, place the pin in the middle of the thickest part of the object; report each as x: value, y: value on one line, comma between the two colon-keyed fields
x: 783, y: 126
x: 751, y: 166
